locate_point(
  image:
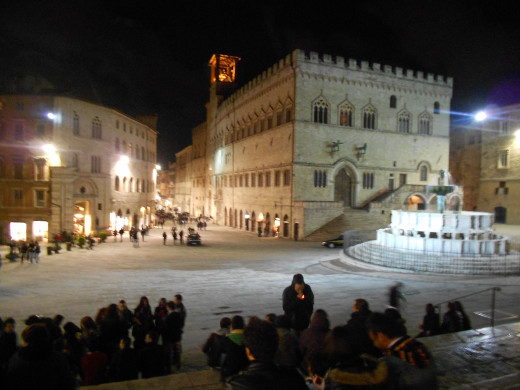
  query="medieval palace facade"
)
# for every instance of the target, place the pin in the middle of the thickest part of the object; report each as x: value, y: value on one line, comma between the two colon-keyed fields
x: 310, y: 137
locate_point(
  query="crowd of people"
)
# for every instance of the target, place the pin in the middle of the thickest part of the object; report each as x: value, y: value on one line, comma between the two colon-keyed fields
x: 298, y: 349
x: 117, y: 344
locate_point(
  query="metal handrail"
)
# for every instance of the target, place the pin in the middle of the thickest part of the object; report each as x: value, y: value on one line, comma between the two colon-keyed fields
x: 493, y: 299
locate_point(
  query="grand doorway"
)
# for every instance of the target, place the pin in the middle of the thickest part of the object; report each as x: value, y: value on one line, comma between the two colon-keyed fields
x: 82, y: 219
x: 343, y: 188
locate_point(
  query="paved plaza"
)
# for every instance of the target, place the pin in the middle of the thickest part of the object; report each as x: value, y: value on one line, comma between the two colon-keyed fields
x: 233, y: 272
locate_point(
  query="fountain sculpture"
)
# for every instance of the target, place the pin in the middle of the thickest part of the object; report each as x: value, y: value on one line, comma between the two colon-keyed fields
x: 447, y: 241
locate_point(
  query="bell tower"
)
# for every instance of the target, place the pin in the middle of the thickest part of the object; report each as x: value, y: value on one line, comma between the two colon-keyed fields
x: 223, y: 73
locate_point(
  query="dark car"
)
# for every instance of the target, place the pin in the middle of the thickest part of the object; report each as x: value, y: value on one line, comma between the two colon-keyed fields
x: 193, y: 239
x: 338, y: 241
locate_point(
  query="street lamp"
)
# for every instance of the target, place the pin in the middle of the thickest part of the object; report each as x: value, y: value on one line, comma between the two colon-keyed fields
x: 480, y: 116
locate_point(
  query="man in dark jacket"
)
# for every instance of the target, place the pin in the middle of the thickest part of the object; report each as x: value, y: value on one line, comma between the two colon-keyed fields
x: 172, y: 333
x: 357, y: 326
x: 36, y: 365
x: 298, y: 303
x: 153, y: 359
x: 261, y: 343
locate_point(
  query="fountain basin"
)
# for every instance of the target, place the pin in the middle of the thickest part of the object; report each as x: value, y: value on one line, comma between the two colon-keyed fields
x: 455, y: 233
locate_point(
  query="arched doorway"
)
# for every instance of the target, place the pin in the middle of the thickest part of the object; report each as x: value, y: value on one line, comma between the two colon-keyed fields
x: 253, y: 221
x: 241, y: 219
x: 415, y: 202
x: 343, y: 187
x: 225, y: 216
x: 285, y: 225
x: 231, y: 217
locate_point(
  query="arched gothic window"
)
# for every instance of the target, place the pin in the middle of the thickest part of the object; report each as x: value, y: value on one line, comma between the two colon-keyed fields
x: 403, y: 122
x: 346, y: 115
x: 75, y: 124
x: 436, y: 108
x: 321, y: 111
x: 424, y: 173
x: 96, y: 128
x: 369, y: 118
x: 425, y: 124
x: 116, y: 184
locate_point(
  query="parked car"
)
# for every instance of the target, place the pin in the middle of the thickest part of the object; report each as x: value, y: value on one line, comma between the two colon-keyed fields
x: 335, y: 242
x: 193, y: 239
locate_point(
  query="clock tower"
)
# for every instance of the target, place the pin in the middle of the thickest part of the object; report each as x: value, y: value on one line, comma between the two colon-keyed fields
x: 223, y: 73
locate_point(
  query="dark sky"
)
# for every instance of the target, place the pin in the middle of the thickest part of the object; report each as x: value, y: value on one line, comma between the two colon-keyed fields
x: 152, y: 56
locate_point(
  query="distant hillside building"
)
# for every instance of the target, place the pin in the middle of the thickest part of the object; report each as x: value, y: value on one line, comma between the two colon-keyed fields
x: 485, y: 159
x: 313, y: 136
x: 69, y: 165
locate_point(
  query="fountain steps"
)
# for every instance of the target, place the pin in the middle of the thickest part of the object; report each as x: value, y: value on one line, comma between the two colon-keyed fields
x: 417, y: 261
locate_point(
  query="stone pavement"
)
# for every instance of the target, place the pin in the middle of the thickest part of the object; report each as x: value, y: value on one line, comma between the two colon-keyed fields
x: 234, y: 272
x: 481, y: 359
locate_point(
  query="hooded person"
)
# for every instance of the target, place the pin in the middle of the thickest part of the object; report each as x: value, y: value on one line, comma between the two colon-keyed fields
x: 298, y: 303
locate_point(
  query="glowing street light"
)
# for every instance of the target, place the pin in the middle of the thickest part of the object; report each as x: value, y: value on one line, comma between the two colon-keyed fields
x: 51, y: 116
x: 480, y: 116
x: 51, y: 155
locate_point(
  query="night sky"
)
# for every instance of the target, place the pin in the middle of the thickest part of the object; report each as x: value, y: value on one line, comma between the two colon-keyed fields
x: 152, y: 56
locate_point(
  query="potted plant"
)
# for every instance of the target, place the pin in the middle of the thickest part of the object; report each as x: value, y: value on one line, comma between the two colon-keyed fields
x: 103, y: 236
x: 81, y: 241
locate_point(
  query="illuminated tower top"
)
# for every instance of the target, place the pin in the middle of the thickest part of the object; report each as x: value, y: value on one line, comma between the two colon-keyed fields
x: 223, y: 68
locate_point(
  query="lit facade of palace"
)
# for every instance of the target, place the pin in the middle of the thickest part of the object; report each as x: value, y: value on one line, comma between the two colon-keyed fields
x: 485, y: 159
x: 70, y: 165
x: 312, y: 136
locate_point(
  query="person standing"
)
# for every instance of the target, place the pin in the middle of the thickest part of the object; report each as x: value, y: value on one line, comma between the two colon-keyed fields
x: 172, y: 334
x: 181, y: 234
x: 396, y: 296
x: 298, y: 303
x: 164, y: 238
x: 37, y: 251
x: 121, y: 232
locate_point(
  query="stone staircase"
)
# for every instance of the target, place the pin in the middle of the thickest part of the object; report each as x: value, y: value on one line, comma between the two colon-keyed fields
x: 351, y: 219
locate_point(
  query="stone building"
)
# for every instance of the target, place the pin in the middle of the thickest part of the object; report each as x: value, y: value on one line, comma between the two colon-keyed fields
x: 485, y: 159
x: 315, y: 135
x: 70, y: 165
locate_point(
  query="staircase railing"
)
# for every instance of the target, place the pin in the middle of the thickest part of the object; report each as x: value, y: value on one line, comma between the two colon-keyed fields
x: 493, y: 301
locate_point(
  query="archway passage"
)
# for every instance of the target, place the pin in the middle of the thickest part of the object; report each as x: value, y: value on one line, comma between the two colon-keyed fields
x: 343, y: 188
x: 416, y: 202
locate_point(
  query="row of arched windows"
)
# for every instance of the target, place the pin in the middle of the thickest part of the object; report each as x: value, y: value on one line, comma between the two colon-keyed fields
x: 254, y: 124
x: 128, y: 185
x: 133, y: 151
x: 238, y: 219
x: 321, y: 111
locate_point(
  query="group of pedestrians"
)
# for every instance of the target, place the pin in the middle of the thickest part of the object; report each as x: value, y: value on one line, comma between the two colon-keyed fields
x: 27, y: 250
x: 175, y: 235
x: 97, y: 351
